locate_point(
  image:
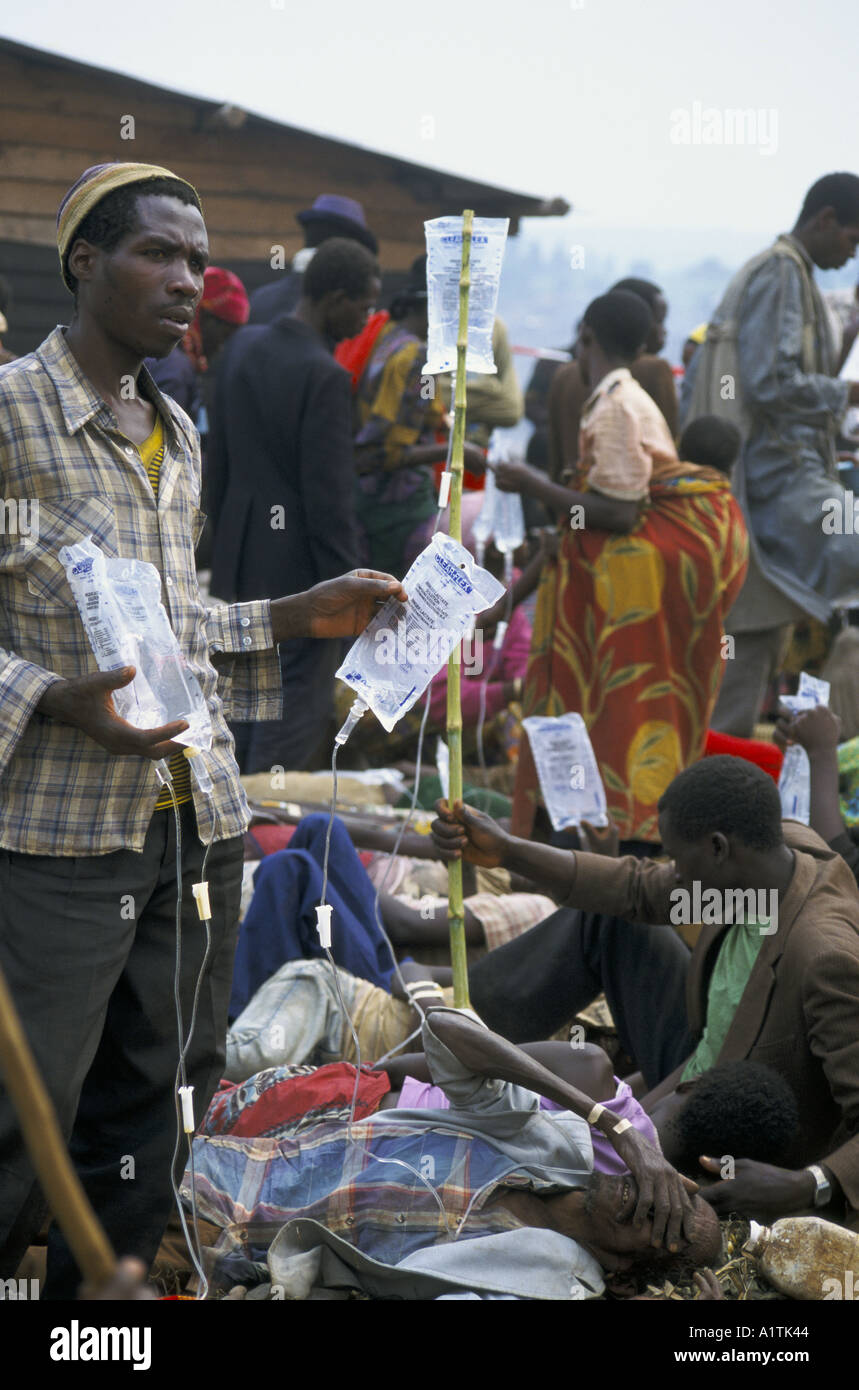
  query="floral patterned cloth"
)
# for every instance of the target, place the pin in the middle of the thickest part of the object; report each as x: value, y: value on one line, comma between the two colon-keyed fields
x: 628, y: 633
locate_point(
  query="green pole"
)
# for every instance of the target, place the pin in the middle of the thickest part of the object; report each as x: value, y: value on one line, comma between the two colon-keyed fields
x: 456, y: 909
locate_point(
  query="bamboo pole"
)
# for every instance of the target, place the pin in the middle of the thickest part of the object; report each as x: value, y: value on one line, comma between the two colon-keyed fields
x: 37, y: 1118
x: 456, y: 909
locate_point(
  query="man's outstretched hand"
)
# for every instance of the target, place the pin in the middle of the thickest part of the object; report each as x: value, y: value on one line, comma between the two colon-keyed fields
x: 464, y: 833
x: 86, y: 703
x: 335, y: 608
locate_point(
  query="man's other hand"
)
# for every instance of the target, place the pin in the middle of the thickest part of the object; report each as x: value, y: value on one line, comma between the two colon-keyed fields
x: 343, y: 607
x: 758, y: 1190
x: 813, y: 729
x: 86, y: 703
x: 464, y: 833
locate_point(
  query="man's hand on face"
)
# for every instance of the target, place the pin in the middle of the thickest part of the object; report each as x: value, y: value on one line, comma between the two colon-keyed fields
x: 85, y: 702
x: 464, y: 833
x: 660, y: 1187
x: 758, y: 1189
x: 337, y: 607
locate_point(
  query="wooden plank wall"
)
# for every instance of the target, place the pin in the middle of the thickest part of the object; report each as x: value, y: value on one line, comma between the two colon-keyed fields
x: 40, y: 300
x: 57, y: 120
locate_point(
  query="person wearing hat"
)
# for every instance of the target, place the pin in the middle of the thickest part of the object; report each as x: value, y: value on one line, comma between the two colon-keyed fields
x: 88, y: 843
x: 330, y: 216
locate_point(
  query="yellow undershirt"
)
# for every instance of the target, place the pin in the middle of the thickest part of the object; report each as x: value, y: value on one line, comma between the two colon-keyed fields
x: 152, y: 454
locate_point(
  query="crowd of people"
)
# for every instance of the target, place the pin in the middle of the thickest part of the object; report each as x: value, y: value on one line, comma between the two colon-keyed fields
x: 277, y: 460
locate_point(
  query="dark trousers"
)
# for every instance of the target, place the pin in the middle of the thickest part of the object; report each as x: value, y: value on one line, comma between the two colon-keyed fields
x: 307, y: 669
x: 88, y: 948
x: 533, y: 985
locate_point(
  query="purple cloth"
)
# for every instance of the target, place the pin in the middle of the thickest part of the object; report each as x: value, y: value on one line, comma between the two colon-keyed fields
x: 420, y: 1095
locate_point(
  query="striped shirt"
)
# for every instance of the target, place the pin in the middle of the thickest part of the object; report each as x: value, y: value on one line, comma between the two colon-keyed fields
x: 67, y: 472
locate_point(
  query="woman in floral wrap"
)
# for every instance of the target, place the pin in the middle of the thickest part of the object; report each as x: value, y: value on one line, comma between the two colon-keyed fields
x: 629, y: 622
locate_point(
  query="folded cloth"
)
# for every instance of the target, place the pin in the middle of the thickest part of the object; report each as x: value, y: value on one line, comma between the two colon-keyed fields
x: 503, y: 918
x: 280, y: 924
x: 283, y: 1100
x: 296, y: 1018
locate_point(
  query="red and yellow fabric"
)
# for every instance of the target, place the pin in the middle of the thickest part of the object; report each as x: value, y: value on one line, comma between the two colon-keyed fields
x: 628, y: 632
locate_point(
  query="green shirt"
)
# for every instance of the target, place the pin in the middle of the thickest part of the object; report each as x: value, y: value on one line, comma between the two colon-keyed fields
x: 737, y: 955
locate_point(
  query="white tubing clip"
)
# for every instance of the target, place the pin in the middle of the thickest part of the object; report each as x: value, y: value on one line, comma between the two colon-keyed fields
x: 444, y: 490
x: 358, y: 708
x: 201, y: 898
x: 323, y: 925
x: 186, y: 1095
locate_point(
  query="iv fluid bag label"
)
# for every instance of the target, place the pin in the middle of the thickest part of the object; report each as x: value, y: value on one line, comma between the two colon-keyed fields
x: 119, y: 601
x: 407, y: 644
x: 444, y: 263
x: 567, y: 770
x: 812, y: 692
x: 794, y: 784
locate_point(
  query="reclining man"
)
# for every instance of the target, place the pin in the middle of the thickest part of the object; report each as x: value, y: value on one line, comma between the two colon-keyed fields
x: 783, y: 989
x: 493, y: 1194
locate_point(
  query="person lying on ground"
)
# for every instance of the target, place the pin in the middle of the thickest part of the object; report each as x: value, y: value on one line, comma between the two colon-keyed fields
x: 779, y: 986
x: 498, y: 1164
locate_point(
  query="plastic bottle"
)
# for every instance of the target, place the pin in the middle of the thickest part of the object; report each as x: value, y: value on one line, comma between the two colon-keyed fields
x: 806, y: 1257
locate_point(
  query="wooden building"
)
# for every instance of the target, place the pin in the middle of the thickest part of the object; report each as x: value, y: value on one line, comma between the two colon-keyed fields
x: 58, y: 117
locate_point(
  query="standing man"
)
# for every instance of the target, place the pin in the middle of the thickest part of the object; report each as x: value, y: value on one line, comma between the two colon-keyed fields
x: 282, y: 479
x: 87, y: 859
x: 331, y: 216
x: 767, y: 364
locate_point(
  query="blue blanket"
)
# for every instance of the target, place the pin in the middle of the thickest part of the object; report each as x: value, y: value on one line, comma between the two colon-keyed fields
x: 281, y: 921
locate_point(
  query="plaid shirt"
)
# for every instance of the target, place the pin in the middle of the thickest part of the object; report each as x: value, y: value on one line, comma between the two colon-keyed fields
x: 252, y: 1186
x: 60, y: 447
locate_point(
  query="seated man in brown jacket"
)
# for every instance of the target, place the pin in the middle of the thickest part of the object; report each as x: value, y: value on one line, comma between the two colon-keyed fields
x: 778, y: 985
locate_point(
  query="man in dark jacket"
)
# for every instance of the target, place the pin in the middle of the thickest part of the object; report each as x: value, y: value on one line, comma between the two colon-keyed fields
x: 281, y: 479
x: 330, y: 216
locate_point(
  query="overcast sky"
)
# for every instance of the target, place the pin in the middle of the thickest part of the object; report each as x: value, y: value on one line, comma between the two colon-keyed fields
x: 592, y: 100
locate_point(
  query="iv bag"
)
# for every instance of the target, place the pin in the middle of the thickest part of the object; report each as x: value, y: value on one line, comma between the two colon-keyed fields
x: 406, y: 644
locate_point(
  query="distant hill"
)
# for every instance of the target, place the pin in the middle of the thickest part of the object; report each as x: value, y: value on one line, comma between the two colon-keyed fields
x: 552, y: 271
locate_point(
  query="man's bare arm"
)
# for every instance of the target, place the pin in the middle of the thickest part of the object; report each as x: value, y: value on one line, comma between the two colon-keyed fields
x: 659, y: 1186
